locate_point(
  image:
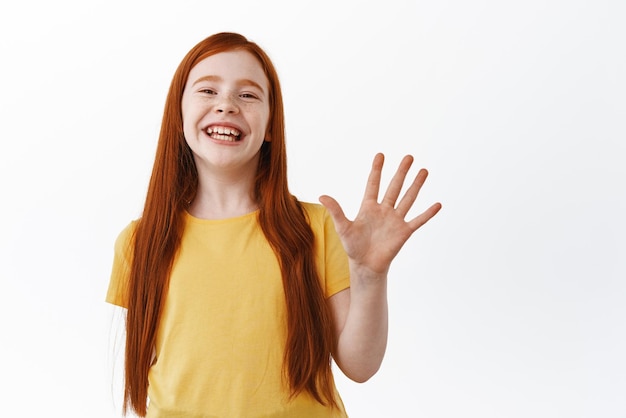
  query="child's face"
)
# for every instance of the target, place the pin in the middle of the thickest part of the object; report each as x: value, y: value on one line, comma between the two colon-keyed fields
x: 225, y: 109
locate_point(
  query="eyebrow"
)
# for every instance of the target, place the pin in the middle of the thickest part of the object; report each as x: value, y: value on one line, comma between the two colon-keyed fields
x: 242, y: 82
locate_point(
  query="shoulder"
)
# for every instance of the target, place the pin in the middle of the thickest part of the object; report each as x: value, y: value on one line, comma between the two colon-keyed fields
x: 125, y: 237
x: 319, y: 219
x: 316, y: 214
x: 313, y: 209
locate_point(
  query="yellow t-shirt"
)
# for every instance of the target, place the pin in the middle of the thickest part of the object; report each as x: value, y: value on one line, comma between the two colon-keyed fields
x: 221, y: 337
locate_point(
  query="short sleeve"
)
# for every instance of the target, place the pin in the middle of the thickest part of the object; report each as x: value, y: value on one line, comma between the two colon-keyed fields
x: 337, y: 269
x: 332, y: 260
x: 117, y: 293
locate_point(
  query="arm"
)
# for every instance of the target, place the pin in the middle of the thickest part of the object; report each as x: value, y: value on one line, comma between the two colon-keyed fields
x: 371, y: 240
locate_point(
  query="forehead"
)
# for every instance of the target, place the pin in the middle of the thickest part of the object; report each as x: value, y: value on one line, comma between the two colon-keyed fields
x: 232, y: 66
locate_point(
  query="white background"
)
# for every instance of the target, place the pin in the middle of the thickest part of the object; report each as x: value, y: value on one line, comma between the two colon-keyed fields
x: 510, y: 303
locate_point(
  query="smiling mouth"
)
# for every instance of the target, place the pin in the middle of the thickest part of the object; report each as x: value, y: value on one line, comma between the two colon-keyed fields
x: 223, y: 133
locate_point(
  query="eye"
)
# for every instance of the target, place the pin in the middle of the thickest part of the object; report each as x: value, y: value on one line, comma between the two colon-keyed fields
x: 248, y: 96
x: 207, y: 91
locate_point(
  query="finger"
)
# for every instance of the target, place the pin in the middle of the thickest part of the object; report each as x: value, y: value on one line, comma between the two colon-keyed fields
x: 424, y: 217
x: 373, y: 181
x: 411, y: 194
x: 335, y: 211
x: 395, y: 186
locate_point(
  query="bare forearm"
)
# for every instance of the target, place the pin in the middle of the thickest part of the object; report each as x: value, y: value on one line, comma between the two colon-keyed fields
x: 363, y: 340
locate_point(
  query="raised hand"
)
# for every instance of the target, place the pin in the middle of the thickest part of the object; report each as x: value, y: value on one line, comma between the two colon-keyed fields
x: 376, y: 235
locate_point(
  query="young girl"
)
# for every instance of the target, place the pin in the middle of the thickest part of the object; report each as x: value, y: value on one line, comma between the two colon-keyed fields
x: 237, y: 294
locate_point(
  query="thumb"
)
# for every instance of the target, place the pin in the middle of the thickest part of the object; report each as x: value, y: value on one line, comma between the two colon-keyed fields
x: 335, y: 211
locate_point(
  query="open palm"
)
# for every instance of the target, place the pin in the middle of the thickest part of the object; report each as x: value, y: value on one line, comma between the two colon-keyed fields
x: 376, y: 235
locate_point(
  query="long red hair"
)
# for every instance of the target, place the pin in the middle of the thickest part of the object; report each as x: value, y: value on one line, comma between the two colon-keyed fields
x: 172, y: 186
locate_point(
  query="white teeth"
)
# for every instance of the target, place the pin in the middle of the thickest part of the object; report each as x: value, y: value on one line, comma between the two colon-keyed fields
x: 223, y: 137
x: 222, y: 131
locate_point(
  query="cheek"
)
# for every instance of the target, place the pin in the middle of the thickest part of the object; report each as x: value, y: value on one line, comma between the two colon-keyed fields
x: 186, y: 122
x: 185, y: 107
x: 265, y: 118
x: 189, y: 116
x: 189, y: 127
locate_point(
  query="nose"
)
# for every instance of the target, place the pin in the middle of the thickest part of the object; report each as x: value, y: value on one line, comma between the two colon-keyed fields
x: 226, y: 104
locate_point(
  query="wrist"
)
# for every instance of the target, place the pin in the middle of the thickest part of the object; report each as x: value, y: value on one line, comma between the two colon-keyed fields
x: 362, y: 274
